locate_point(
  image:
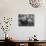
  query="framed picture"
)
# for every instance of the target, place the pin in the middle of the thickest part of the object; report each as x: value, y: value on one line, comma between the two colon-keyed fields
x: 36, y: 3
x: 26, y: 19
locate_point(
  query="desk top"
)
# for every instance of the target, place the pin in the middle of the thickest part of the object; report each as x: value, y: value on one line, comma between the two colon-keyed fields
x: 40, y: 41
x: 2, y: 40
x: 27, y: 41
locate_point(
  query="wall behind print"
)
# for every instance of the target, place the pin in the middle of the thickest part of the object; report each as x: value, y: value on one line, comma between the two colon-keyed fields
x: 11, y: 8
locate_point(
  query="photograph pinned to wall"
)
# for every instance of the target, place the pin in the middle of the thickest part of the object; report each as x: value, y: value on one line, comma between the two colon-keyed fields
x: 26, y: 19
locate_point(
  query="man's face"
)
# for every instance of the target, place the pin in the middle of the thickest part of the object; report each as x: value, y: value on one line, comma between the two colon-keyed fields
x: 23, y: 18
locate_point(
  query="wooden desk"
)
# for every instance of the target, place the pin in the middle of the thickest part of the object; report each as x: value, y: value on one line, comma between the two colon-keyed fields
x: 31, y: 43
x: 28, y: 43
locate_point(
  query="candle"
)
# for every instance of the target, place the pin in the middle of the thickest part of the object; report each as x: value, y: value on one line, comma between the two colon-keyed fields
x: 7, y: 35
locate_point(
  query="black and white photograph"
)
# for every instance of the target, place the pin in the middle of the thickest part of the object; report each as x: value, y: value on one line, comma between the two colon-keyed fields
x: 26, y: 19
